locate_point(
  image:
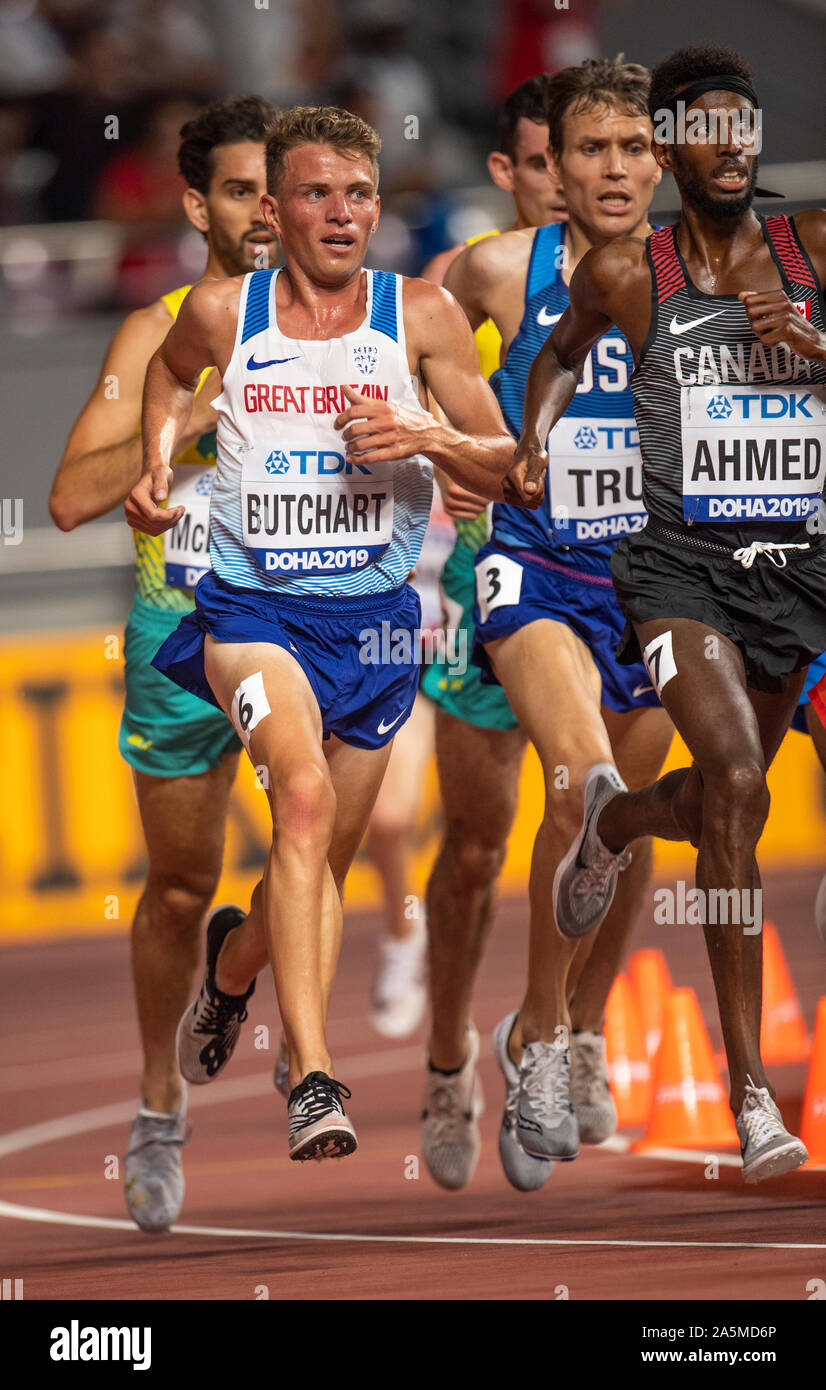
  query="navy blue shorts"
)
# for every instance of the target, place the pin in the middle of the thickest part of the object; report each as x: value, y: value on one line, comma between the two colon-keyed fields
x: 360, y: 654
x: 816, y: 672
x: 517, y: 587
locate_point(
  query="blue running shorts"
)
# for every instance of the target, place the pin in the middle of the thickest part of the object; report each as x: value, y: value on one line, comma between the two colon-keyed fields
x: 361, y: 654
x: 517, y: 587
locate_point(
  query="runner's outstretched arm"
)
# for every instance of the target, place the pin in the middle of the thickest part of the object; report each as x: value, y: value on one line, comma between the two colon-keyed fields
x: 474, y: 448
x: 103, y: 457
x: 201, y: 335
x: 554, y: 374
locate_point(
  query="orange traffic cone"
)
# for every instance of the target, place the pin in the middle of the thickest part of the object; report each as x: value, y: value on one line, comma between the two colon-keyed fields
x: 689, y: 1109
x: 783, y: 1036
x: 813, y: 1115
x: 652, y: 985
x: 629, y: 1072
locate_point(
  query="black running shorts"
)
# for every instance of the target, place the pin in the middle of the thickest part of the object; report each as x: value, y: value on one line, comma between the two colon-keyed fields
x: 775, y: 616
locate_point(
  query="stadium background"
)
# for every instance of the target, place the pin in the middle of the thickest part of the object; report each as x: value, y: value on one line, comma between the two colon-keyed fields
x: 91, y: 226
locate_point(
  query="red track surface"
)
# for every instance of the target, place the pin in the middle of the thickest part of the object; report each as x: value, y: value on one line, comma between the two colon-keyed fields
x: 69, y: 1044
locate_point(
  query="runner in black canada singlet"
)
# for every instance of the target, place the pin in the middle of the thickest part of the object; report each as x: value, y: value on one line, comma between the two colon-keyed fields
x: 723, y: 589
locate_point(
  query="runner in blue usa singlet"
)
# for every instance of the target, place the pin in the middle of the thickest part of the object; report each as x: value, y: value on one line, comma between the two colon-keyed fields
x: 555, y: 562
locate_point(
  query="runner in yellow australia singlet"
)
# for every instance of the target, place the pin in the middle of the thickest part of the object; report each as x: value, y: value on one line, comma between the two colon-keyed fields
x: 167, y: 569
x: 193, y: 485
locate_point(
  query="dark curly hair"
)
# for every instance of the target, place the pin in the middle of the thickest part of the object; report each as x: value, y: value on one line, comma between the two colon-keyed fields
x: 689, y: 64
x: 223, y: 122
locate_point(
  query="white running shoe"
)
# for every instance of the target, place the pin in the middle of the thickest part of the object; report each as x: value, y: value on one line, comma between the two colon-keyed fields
x: 586, y: 879
x: 767, y: 1147
x: 522, y: 1170
x: 399, y: 993
x: 319, y: 1127
x: 596, y: 1113
x: 546, y: 1124
x: 451, y: 1142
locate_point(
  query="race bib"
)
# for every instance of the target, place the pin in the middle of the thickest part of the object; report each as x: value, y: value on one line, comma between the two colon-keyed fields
x: 186, y: 546
x: 595, y: 480
x: 498, y: 583
x: 308, y: 509
x: 753, y: 453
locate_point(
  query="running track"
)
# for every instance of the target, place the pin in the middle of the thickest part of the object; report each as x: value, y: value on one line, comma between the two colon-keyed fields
x: 609, y: 1226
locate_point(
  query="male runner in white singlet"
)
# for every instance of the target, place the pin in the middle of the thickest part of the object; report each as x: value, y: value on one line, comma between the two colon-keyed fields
x: 318, y: 511
x: 183, y: 753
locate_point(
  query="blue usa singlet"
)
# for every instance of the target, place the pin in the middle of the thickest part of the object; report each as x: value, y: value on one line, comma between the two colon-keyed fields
x: 593, y: 491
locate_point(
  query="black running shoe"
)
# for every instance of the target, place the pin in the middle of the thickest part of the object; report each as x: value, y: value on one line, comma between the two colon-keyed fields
x: 319, y: 1127
x: 210, y: 1028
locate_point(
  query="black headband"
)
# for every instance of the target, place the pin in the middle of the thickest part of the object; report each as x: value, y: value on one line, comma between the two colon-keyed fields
x: 723, y: 82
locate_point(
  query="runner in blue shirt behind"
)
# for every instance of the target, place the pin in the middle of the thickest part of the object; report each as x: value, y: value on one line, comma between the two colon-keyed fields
x: 547, y: 619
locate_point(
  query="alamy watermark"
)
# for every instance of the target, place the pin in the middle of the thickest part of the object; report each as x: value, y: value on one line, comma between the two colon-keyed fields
x: 684, y: 906
x: 720, y: 126
x: 404, y: 646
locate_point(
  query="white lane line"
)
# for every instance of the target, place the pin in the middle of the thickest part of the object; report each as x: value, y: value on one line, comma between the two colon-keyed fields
x: 358, y: 1068
x: 621, y: 1144
x: 60, y: 1218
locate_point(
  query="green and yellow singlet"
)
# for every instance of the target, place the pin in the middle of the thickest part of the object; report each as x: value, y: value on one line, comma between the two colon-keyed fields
x: 150, y: 559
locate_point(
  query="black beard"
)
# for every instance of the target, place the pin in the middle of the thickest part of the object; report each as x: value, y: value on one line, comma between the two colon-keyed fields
x: 237, y: 258
x: 698, y: 195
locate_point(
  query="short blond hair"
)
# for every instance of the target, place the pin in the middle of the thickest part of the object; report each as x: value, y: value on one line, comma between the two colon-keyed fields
x: 318, y: 125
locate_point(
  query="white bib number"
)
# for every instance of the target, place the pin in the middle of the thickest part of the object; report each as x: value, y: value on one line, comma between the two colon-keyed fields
x: 498, y: 582
x: 753, y: 453
x: 595, y: 480
x: 186, y: 546
x: 308, y: 509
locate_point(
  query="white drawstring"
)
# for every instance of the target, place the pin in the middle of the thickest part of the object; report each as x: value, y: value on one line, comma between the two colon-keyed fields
x: 748, y: 554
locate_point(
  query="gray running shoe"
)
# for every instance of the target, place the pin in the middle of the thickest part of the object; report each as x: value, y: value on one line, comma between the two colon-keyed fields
x: 451, y: 1142
x: 586, y: 879
x: 319, y: 1127
x: 210, y: 1028
x: 546, y: 1124
x: 766, y: 1145
x: 153, y: 1172
x: 522, y: 1170
x: 596, y: 1113
x: 281, y: 1072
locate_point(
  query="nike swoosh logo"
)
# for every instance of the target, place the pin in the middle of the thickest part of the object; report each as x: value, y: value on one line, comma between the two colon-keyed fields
x: 640, y: 690
x: 579, y: 861
x: 253, y: 366
x: 547, y: 319
x: 385, y: 728
x: 678, y: 328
